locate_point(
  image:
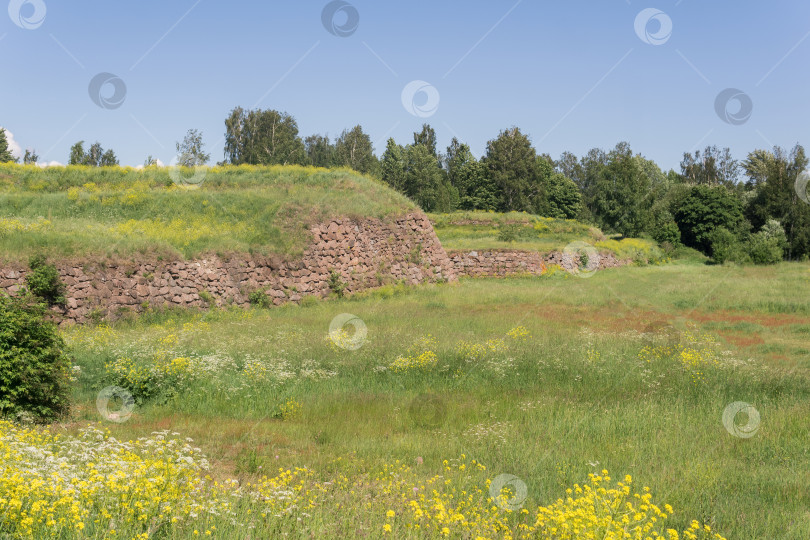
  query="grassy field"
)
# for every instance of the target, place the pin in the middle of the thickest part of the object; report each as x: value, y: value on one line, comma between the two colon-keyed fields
x: 86, y: 211
x: 466, y: 231
x: 400, y: 430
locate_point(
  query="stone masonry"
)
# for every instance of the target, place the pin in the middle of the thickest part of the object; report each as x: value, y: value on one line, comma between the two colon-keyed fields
x: 365, y: 252
x: 501, y: 263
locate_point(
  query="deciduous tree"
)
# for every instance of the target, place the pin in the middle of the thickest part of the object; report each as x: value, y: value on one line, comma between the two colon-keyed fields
x: 30, y: 157
x: 320, y: 151
x: 190, y: 152
x: 263, y: 138
x: 353, y: 149
x: 511, y: 163
x: 773, y: 179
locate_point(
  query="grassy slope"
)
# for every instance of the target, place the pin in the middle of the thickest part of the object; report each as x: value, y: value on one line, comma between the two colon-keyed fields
x: 479, y: 231
x: 575, y: 397
x: 78, y: 211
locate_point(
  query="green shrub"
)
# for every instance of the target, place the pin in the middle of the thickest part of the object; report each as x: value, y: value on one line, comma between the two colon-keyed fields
x: 765, y: 250
x: 667, y: 233
x: 336, y: 284
x: 207, y: 297
x: 34, y: 369
x: 509, y: 232
x: 259, y: 298
x: 768, y: 245
x: 416, y: 254
x: 583, y: 260
x: 43, y: 281
x: 726, y: 247
x: 96, y: 316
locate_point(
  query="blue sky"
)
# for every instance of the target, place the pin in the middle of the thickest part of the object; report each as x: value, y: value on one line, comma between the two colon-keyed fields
x: 574, y: 75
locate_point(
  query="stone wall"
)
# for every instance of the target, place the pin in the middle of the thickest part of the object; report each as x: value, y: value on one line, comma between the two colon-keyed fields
x: 365, y: 252
x: 501, y: 263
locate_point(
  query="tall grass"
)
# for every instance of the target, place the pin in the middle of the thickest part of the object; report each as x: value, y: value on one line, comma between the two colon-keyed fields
x: 521, y: 231
x: 85, y: 211
x: 545, y: 379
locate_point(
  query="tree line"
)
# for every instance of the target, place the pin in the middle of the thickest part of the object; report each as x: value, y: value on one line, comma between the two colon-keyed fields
x: 729, y: 210
x: 752, y: 210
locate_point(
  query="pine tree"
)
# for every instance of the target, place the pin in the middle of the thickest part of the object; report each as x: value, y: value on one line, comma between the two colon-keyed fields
x: 5, y: 151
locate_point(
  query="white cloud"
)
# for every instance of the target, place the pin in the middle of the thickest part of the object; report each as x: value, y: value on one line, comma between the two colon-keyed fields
x: 50, y: 164
x: 157, y: 162
x: 13, y: 145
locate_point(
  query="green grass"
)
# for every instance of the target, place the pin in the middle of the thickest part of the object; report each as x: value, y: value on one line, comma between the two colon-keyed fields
x: 480, y: 231
x: 573, y: 398
x: 83, y: 212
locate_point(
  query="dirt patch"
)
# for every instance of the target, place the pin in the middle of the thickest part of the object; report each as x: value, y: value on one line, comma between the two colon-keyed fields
x: 767, y: 320
x: 742, y: 340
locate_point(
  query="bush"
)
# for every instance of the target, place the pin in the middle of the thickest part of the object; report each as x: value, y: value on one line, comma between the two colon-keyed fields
x: 768, y: 245
x: 34, y: 369
x: 667, y: 232
x: 508, y: 232
x: 43, y: 281
x: 336, y: 283
x: 259, y: 298
x: 583, y: 260
x: 725, y: 246
x: 765, y: 250
x: 208, y: 298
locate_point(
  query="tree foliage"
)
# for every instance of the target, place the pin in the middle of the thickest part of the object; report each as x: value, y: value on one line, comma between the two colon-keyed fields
x: 263, y: 138
x: 713, y: 167
x: 563, y: 199
x: 773, y: 181
x: 190, y: 152
x: 425, y: 182
x: 427, y: 138
x: 43, y: 281
x: 706, y: 209
x: 5, y: 150
x: 95, y: 156
x: 415, y: 171
x: 470, y: 179
x: 353, y: 149
x: 617, y: 190
x: 320, y: 151
x: 392, y: 166
x: 34, y: 369
x: 30, y: 157
x: 620, y: 193
x: 511, y: 164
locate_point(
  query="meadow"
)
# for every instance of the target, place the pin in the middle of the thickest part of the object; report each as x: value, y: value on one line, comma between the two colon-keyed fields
x: 546, y: 407
x: 482, y: 231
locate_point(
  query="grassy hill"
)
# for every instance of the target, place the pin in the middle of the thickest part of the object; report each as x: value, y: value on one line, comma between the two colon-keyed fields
x: 467, y: 231
x: 81, y: 211
x: 113, y: 211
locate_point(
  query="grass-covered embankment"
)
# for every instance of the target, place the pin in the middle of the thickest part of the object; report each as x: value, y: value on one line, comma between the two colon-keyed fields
x: 86, y: 212
x: 481, y: 231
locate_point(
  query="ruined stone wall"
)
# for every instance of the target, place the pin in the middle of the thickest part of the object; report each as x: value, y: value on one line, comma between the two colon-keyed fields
x: 502, y: 263
x: 365, y: 252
